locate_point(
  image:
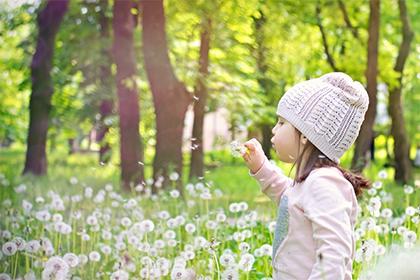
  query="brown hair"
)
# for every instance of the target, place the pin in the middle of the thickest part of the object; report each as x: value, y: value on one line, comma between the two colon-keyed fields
x: 316, y: 159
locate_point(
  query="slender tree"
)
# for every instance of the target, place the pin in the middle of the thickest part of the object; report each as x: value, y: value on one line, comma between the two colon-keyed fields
x: 131, y: 149
x: 262, y: 68
x: 200, y: 93
x: 170, y: 96
x: 107, y: 103
x: 403, y: 171
x: 363, y: 143
x: 48, y: 20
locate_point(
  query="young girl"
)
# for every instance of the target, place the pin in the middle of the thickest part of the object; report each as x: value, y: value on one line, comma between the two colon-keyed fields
x: 318, y: 120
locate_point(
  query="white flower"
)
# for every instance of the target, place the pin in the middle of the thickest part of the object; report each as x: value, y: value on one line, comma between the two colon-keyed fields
x: 83, y: 259
x: 172, y: 242
x: 26, y: 205
x: 272, y: 226
x: 172, y: 223
x: 119, y: 275
x: 107, y: 235
x: 383, y: 174
x: 237, y: 149
x: 227, y: 260
x: 211, y: 224
x: 258, y: 252
x: 174, y: 176
x: 43, y: 215
x: 88, y: 192
x: 55, y: 268
x: 180, y: 220
x: 5, y: 276
x: 410, y: 236
x: 380, y: 250
x: 238, y: 236
x: 29, y: 276
x: 106, y: 250
x: 147, y: 226
x: 91, y: 220
x: 377, y: 184
x: 244, y: 247
x: 94, y: 256
x: 21, y: 188
x: 126, y: 222
x: 47, y: 246
x: 159, y: 244
x: 190, y: 228
x: 33, y: 246
x: 267, y: 249
x: 133, y: 240
x: 73, y: 180
x: 243, y: 206
x: 386, y: 213
x: 230, y: 274
x: 246, y: 262
x: 408, y: 189
x: 220, y: 217
x: 9, y: 248
x: 372, y: 191
x: 401, y: 230
x: 205, y: 196
x: 20, y: 243
x: 174, y: 193
x: 410, y: 211
x: 234, y: 207
x: 169, y: 234
x: 71, y: 259
x: 164, y: 215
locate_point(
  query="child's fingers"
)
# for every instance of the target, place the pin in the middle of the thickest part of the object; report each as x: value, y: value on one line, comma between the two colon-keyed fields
x: 250, y: 145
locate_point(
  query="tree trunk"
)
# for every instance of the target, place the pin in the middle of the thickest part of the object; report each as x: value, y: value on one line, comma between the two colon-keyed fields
x: 49, y: 20
x: 364, y: 141
x: 170, y: 96
x: 262, y: 79
x: 106, y: 104
x: 398, y: 131
x: 131, y: 150
x: 200, y: 93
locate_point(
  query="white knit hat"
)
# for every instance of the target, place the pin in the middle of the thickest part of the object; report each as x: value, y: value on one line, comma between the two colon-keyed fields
x: 328, y: 110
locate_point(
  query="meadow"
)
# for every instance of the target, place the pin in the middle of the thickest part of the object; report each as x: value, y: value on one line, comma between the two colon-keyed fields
x: 75, y: 223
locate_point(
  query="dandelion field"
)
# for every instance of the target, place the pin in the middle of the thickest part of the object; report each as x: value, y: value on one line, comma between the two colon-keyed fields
x: 66, y: 226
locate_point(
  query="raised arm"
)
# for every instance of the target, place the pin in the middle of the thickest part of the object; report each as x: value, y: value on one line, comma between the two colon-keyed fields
x: 272, y: 180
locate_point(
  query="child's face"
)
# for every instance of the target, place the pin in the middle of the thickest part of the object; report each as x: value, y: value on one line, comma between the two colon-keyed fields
x: 285, y: 141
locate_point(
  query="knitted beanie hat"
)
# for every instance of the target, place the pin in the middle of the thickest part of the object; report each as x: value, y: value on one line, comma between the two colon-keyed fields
x: 328, y: 110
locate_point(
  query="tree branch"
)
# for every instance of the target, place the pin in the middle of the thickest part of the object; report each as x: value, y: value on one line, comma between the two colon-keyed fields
x: 330, y: 58
x: 407, y: 37
x: 347, y: 20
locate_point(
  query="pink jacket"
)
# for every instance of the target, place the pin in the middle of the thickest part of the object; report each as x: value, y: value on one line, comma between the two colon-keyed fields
x: 314, y: 235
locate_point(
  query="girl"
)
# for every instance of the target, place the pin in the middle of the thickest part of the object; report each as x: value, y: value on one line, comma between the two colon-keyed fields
x: 318, y: 120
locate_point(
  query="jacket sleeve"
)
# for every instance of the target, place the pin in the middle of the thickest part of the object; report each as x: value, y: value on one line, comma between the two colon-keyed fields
x: 327, y: 204
x: 272, y: 180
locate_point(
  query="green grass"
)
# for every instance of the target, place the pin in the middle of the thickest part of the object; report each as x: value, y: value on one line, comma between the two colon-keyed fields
x: 223, y: 172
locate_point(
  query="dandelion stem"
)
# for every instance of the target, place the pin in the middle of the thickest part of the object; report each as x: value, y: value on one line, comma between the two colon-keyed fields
x: 16, y: 265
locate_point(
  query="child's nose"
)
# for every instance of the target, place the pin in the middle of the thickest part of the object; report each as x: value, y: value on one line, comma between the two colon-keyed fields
x: 274, y: 129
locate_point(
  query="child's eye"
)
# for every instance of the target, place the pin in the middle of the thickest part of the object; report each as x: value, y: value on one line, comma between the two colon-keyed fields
x: 280, y: 122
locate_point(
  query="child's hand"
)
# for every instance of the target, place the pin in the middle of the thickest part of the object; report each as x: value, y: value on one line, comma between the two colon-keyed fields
x: 255, y: 156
